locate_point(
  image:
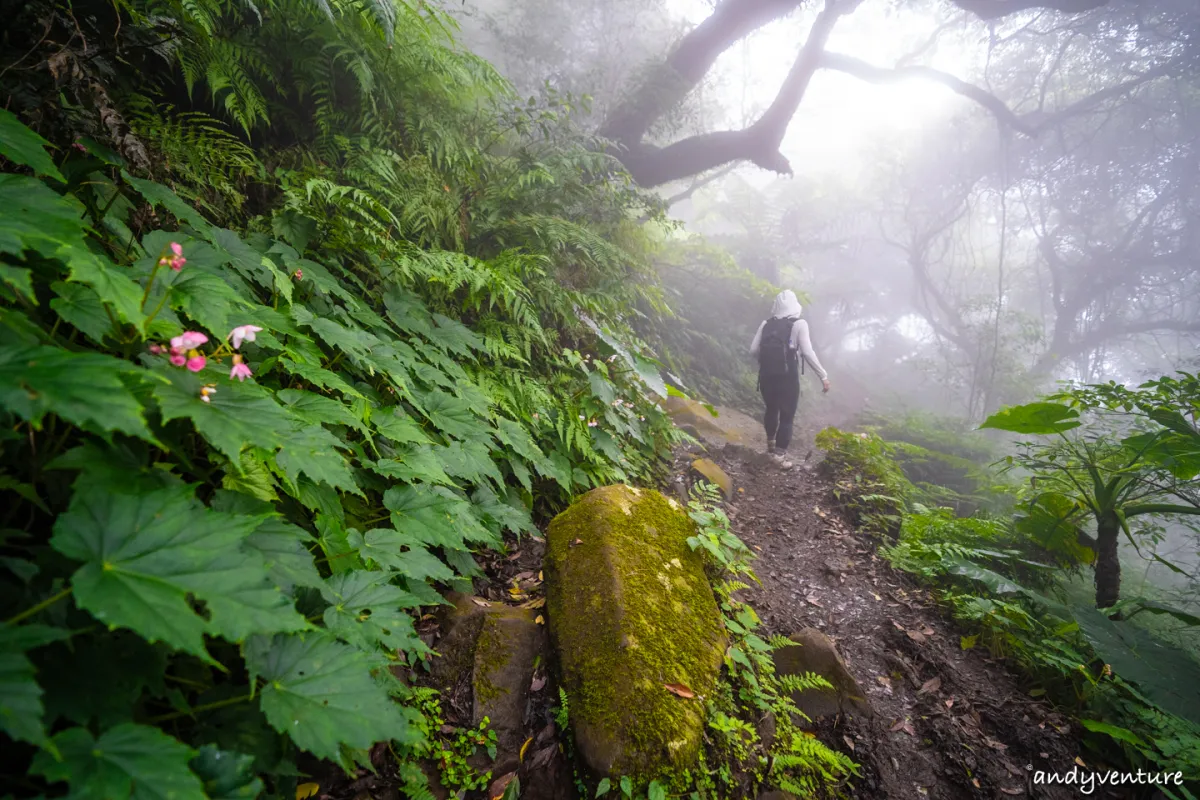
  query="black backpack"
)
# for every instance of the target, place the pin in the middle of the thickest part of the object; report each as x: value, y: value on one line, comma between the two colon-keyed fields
x: 775, y: 356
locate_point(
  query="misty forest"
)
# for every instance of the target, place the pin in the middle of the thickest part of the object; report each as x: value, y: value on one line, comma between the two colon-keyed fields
x: 381, y: 417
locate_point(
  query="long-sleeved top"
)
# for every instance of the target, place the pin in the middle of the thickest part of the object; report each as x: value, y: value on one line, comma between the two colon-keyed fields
x: 800, y: 341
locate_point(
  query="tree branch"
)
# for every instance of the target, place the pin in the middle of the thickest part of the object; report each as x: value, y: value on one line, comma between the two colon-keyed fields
x: 995, y: 9
x: 1027, y: 124
x: 758, y: 143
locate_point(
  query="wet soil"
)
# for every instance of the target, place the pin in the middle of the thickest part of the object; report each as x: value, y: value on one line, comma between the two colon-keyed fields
x: 948, y: 722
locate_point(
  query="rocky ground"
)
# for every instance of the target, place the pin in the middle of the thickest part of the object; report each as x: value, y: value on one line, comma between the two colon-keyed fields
x: 943, y: 722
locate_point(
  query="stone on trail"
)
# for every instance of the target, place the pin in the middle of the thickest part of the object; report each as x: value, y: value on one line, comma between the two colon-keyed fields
x: 814, y: 652
x: 709, y: 470
x: 688, y: 413
x: 630, y: 612
x: 494, y: 648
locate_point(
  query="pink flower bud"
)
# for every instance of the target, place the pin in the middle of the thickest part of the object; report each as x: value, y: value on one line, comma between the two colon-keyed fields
x: 177, y: 248
x: 195, y: 361
x: 178, y: 359
x: 157, y: 349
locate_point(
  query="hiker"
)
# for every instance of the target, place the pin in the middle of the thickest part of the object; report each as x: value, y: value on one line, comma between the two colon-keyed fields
x: 783, y: 347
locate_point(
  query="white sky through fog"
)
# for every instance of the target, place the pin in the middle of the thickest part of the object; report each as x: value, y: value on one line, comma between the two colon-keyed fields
x: 841, y: 118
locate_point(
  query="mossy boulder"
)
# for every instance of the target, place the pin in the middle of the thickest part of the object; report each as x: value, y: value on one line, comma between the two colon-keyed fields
x: 631, y: 612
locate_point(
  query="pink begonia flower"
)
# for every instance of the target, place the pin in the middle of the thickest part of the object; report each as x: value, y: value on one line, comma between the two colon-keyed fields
x: 177, y: 260
x: 243, y: 333
x: 79, y: 146
x: 593, y: 424
x: 207, y: 391
x: 299, y: 274
x: 157, y: 349
x: 189, y: 340
x: 195, y: 361
x: 178, y: 359
x: 240, y: 370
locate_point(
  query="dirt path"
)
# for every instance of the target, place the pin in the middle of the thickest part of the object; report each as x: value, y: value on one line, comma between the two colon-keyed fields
x: 948, y: 723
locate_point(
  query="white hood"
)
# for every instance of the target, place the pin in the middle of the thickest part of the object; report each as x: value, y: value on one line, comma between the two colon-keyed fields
x: 786, y: 305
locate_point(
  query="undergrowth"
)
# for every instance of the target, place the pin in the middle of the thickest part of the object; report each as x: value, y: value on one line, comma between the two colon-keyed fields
x: 1006, y: 589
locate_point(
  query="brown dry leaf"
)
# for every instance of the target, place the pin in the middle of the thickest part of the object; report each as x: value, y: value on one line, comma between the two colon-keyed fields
x: 916, y: 636
x: 885, y: 680
x: 849, y: 742
x: 540, y: 578
x: 536, y: 602
x: 522, y: 576
x: 904, y: 725
x: 538, y: 539
x: 928, y: 631
x: 992, y: 743
x: 1079, y: 761
x: 539, y: 683
x: 479, y: 601
x: 931, y: 685
x: 496, y: 790
x: 877, y: 597
x: 524, y: 747
x: 897, y: 625
x: 540, y: 620
x: 812, y: 599
x: 975, y: 783
x: 679, y: 690
x: 305, y: 790
x: 1012, y: 791
x: 950, y: 703
x: 577, y: 541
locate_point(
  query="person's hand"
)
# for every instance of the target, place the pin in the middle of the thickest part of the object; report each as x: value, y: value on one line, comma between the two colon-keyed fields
x: 825, y: 385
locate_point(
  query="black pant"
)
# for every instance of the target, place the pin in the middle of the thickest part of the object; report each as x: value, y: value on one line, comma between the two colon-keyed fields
x: 781, y: 394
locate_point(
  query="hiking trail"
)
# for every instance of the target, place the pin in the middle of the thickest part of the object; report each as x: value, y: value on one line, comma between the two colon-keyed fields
x: 948, y: 722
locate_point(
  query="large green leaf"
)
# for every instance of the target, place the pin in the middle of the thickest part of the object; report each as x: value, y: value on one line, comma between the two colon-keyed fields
x: 145, y: 553
x: 413, y: 464
x: 1035, y: 418
x: 401, y: 552
x: 236, y: 416
x: 313, y: 451
x: 399, y: 427
x: 470, y: 461
x: 83, y: 388
x: 319, y: 376
x: 37, y: 218
x: 111, y: 284
x: 368, y: 611
x: 1167, y: 676
x: 226, y: 775
x: 994, y: 581
x: 20, y: 694
x: 128, y: 761
x: 516, y: 437
x: 322, y: 695
x: 79, y: 305
x: 454, y: 336
x: 452, y: 416
x: 22, y: 146
x: 314, y: 408
x: 433, y: 515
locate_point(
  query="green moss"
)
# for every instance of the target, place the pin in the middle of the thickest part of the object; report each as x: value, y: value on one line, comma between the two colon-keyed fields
x: 631, y: 610
x: 488, y: 654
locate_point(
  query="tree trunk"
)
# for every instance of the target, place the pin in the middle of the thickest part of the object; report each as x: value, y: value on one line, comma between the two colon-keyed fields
x: 1108, y: 562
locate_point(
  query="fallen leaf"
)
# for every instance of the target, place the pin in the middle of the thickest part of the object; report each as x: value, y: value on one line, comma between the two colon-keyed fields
x: 877, y: 597
x: 525, y: 747
x: 540, y: 578
x: 537, y: 602
x: 916, y: 636
x: 522, y: 576
x: 950, y: 703
x: 967, y: 642
x: 540, y: 620
x: 897, y: 625
x: 1036, y: 692
x: 849, y: 742
x: 885, y: 680
x: 812, y: 598
x: 1012, y: 791
x: 496, y: 790
x: 931, y: 685
x: 538, y: 539
x: 1079, y: 761
x: 975, y: 782
x: 992, y: 743
x: 904, y: 725
x: 306, y: 790
x: 928, y: 631
x: 577, y: 541
x: 539, y: 683
x: 479, y: 601
x: 680, y: 690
